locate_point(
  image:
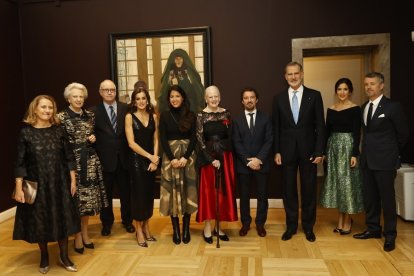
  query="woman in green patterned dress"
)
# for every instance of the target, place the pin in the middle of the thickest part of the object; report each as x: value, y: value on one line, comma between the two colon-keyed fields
x: 343, y: 184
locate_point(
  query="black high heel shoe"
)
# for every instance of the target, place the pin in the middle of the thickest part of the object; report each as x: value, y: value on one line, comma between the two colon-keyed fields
x: 142, y: 244
x: 89, y: 245
x: 337, y: 230
x: 78, y: 250
x: 208, y: 239
x: 223, y: 237
x: 150, y: 238
x: 343, y: 232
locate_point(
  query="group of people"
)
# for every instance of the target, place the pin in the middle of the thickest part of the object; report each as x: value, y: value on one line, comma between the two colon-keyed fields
x: 78, y: 156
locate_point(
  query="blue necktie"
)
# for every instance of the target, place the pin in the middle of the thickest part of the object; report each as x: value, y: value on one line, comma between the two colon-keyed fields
x: 113, y: 117
x: 295, y: 107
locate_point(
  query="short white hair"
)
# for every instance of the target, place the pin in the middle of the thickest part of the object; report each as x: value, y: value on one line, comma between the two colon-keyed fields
x: 211, y: 88
x: 75, y: 85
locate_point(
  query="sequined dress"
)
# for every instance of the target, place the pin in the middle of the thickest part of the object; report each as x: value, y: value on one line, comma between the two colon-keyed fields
x: 90, y: 190
x: 142, y: 180
x: 342, y: 188
x: 44, y: 155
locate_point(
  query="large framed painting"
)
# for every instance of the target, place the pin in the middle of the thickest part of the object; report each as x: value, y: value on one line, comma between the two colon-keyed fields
x: 159, y: 59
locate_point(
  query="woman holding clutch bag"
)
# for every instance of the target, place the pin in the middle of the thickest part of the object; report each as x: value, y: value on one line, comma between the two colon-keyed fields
x: 44, y: 155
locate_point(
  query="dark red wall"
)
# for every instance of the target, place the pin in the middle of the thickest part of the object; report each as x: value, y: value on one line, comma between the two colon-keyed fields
x: 12, y: 96
x: 251, y: 43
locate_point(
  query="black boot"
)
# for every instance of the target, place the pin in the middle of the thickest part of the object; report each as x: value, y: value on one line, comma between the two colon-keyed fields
x: 176, y: 229
x: 186, y: 228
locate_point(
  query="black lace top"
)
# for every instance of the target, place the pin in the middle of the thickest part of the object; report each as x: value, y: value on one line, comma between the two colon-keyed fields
x: 213, y: 135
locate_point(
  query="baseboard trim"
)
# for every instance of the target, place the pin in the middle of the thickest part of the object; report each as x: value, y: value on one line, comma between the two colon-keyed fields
x: 273, y: 203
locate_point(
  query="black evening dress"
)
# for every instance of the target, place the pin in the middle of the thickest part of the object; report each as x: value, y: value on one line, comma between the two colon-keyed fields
x: 44, y: 155
x: 142, y: 180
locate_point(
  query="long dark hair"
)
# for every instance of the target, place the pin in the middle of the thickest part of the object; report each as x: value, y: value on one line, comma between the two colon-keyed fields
x: 133, y: 108
x: 187, y: 118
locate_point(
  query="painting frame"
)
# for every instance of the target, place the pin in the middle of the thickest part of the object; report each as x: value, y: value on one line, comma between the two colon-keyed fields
x: 118, y: 67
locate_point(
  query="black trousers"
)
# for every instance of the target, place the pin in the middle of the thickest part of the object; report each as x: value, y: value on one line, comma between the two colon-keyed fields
x: 308, y: 192
x: 379, y: 193
x: 244, y: 182
x: 120, y: 178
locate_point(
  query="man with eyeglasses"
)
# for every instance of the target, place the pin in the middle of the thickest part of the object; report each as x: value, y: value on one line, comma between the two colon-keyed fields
x: 112, y: 149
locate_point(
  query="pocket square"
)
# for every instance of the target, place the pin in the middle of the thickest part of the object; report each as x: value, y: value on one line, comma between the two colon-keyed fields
x: 381, y: 116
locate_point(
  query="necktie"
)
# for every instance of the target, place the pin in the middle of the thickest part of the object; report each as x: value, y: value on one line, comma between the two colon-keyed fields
x: 113, y: 117
x: 295, y: 107
x: 251, y: 123
x: 369, y: 115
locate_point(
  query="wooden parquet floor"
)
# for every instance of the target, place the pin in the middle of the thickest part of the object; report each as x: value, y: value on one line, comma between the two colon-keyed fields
x: 119, y: 254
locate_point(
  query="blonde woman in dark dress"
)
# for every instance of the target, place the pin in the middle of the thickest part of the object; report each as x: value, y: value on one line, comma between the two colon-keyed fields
x: 44, y: 155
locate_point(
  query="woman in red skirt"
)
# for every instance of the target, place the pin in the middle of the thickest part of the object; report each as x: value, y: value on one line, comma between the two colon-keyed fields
x: 216, y: 165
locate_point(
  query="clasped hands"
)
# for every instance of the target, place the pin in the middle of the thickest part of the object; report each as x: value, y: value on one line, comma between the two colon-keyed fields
x: 254, y: 163
x: 178, y: 163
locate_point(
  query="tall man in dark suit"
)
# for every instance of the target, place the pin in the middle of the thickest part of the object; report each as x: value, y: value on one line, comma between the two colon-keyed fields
x: 252, y: 139
x: 385, y: 132
x: 112, y: 149
x: 299, y: 130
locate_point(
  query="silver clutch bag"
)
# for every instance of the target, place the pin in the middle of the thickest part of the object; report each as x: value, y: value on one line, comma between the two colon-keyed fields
x: 30, y: 191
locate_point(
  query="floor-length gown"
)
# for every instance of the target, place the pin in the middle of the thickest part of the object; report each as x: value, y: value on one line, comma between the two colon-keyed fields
x: 142, y: 180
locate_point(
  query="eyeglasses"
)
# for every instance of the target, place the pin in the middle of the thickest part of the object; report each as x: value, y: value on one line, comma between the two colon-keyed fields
x: 108, y: 90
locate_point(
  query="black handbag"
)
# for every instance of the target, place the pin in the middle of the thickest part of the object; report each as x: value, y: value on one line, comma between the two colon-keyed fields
x: 30, y: 191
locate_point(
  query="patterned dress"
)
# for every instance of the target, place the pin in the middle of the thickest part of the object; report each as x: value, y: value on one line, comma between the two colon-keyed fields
x: 343, y: 185
x: 214, y: 139
x: 90, y: 193
x: 178, y: 195
x: 44, y: 155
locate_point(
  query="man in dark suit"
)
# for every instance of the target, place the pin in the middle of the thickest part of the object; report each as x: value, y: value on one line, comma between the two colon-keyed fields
x: 385, y: 132
x: 299, y: 135
x: 112, y: 148
x: 252, y: 140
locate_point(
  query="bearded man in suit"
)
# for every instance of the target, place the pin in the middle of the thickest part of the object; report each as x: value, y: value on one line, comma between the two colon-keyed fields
x: 252, y: 141
x: 299, y: 143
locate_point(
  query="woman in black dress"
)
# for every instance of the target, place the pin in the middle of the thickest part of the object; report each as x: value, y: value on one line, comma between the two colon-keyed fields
x: 141, y: 128
x: 178, y: 177
x: 44, y: 155
x: 79, y: 125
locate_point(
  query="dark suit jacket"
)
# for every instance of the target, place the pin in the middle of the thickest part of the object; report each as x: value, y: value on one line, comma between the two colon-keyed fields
x: 258, y: 144
x: 387, y: 134
x: 110, y: 145
x: 308, y: 136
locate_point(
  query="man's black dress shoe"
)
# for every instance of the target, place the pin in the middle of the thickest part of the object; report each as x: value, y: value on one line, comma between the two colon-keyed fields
x: 223, y: 237
x: 367, y: 235
x: 288, y: 235
x: 208, y: 239
x: 129, y: 228
x: 389, y: 244
x: 261, y: 231
x: 243, y: 231
x: 106, y: 230
x: 310, y: 236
